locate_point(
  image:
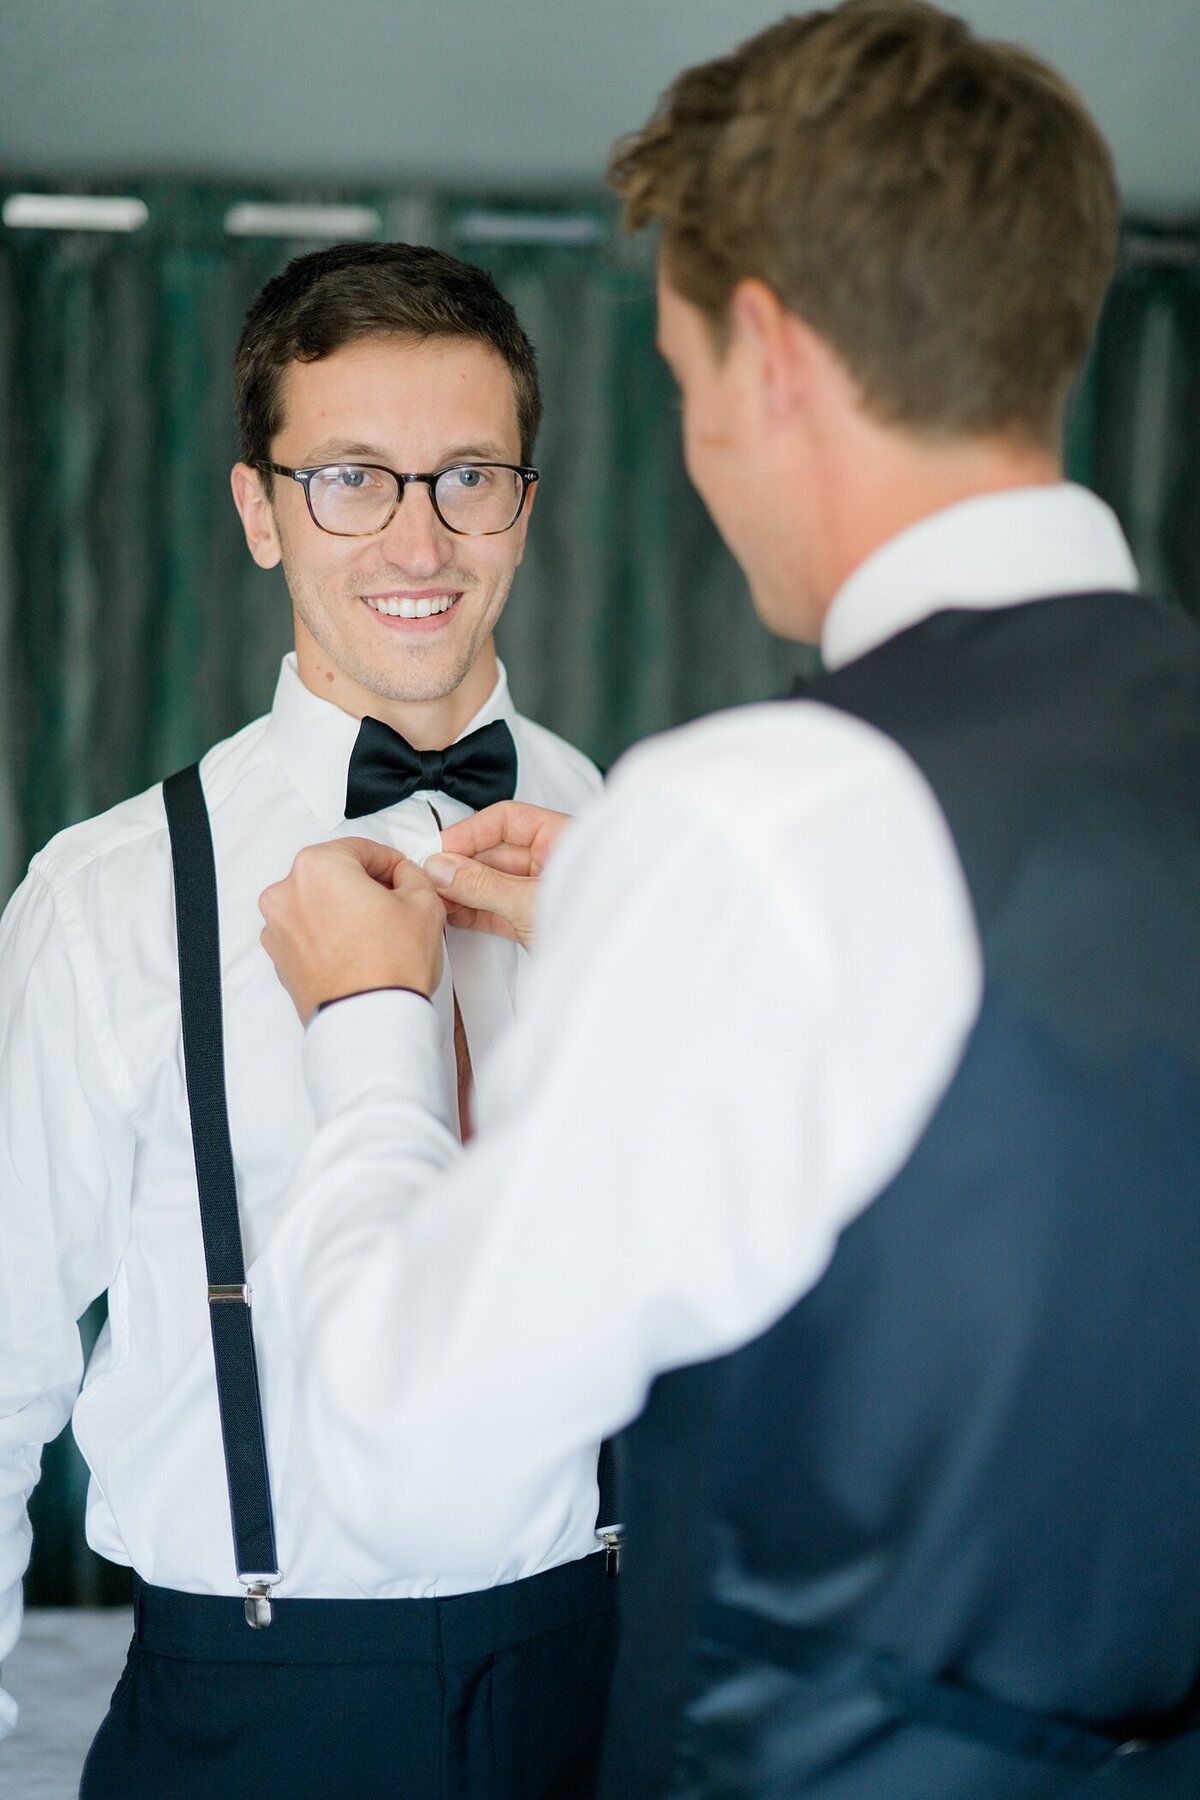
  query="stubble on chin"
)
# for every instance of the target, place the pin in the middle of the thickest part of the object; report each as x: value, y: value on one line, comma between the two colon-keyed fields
x: 422, y: 669
x: 416, y: 677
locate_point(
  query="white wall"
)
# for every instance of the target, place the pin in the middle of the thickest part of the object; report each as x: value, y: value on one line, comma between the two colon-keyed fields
x: 493, y: 92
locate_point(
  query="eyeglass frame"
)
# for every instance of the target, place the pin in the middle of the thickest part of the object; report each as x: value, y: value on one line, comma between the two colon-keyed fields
x: 527, y: 473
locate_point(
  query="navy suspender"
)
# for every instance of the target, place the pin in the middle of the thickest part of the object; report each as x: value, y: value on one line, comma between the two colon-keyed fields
x: 228, y: 1295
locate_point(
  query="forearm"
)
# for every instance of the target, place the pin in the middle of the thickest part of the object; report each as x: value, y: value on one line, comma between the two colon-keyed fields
x: 452, y: 1314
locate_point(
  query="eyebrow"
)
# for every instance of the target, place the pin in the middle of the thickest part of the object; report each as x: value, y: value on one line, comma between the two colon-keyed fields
x: 342, y: 450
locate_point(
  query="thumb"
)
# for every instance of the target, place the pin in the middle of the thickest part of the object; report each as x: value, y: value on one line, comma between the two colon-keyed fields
x: 463, y: 879
x: 485, y: 897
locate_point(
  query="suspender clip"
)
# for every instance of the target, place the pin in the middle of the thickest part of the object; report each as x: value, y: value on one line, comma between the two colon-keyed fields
x: 229, y: 1290
x: 610, y: 1537
x: 259, y: 1611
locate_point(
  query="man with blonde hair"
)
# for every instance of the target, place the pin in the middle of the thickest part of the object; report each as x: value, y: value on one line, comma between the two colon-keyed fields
x: 851, y: 1137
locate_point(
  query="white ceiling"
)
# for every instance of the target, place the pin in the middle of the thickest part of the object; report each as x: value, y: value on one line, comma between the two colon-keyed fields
x: 489, y: 93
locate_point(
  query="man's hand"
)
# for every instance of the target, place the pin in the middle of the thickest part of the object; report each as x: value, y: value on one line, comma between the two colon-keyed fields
x: 490, y: 866
x: 352, y: 915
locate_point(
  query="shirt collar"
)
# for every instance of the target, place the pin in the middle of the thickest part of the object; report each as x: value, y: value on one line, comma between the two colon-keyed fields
x: 990, y: 551
x: 312, y: 740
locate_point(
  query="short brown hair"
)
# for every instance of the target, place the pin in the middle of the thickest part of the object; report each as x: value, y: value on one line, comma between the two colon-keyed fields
x: 336, y: 296
x: 942, y: 210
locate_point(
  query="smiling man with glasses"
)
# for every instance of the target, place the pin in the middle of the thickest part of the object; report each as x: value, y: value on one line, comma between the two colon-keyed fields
x: 156, y: 1108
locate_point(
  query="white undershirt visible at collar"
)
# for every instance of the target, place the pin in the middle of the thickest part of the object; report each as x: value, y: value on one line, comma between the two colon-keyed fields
x: 992, y: 550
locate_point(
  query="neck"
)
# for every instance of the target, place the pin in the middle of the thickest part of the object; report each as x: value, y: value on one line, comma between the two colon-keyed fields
x: 878, y: 483
x: 432, y: 724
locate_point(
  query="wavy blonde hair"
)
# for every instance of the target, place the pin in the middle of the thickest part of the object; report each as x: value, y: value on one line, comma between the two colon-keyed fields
x: 941, y: 209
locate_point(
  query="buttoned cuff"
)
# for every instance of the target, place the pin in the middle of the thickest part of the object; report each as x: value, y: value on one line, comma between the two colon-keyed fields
x: 386, y: 1038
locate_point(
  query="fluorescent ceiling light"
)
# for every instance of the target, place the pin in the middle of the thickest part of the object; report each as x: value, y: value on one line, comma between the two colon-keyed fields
x: 74, y: 212
x: 529, y: 228
x: 255, y: 219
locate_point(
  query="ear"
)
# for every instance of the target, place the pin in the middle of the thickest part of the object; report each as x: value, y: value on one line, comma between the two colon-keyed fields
x: 257, y: 515
x: 776, y: 346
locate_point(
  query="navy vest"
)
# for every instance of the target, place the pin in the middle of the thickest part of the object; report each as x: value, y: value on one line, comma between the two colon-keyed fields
x: 936, y: 1534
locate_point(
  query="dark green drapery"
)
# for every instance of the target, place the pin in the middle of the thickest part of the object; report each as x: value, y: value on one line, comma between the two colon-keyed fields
x: 136, y: 630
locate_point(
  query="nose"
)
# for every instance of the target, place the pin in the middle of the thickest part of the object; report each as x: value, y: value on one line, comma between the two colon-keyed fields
x: 415, y: 539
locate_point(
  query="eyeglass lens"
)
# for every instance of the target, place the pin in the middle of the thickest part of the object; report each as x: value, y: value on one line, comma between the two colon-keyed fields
x: 354, y: 499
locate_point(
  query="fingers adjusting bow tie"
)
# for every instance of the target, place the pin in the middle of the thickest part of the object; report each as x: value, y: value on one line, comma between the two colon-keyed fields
x: 385, y: 769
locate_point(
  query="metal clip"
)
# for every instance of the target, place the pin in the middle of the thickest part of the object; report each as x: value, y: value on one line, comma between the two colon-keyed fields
x: 259, y: 1611
x: 610, y: 1539
x: 231, y: 1290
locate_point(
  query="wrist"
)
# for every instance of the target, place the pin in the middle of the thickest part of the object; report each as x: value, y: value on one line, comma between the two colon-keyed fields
x: 341, y: 980
x: 390, y: 987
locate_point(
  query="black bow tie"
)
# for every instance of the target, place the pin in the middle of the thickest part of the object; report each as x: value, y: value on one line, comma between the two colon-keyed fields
x: 385, y: 769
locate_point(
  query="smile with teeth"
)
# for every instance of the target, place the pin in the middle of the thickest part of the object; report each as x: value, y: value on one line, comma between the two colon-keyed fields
x: 408, y: 608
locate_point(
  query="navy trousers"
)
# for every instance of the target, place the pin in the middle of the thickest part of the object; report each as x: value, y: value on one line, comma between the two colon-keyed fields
x: 497, y: 1695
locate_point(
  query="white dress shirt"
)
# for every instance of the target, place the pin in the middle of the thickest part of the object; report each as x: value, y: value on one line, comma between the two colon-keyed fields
x: 97, y: 1182
x: 757, y: 974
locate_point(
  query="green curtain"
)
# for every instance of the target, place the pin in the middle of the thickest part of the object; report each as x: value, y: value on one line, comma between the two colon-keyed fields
x: 136, y: 630
x: 1136, y: 425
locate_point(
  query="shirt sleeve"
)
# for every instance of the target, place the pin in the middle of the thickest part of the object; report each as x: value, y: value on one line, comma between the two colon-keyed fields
x: 66, y: 1155
x: 732, y: 1039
